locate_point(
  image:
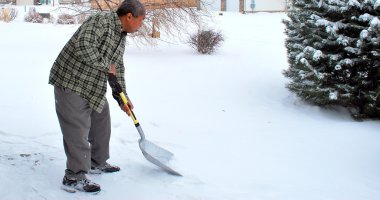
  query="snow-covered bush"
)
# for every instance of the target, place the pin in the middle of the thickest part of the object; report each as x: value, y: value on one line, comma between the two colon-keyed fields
x: 33, y: 16
x: 8, y: 14
x: 65, y: 19
x: 81, y: 18
x: 206, y: 41
x: 334, y: 53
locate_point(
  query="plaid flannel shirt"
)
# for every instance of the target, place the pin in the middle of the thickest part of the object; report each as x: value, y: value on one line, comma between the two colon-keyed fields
x: 82, y: 65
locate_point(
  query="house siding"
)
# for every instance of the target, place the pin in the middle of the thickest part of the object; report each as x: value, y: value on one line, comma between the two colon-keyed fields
x: 24, y: 2
x: 260, y: 5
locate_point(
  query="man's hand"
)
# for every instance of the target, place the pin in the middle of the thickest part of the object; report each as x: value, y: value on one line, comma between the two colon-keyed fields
x: 127, y: 108
x: 112, y: 69
x: 116, y: 90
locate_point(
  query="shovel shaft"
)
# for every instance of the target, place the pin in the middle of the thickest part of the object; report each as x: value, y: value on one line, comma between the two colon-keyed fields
x: 133, y: 116
x: 125, y: 101
x: 141, y: 132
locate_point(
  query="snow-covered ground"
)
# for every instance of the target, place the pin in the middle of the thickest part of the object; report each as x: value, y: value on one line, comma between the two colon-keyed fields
x: 237, y: 133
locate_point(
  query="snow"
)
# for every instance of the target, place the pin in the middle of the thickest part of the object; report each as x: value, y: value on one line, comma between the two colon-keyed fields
x: 333, y: 95
x: 365, y: 17
x: 317, y: 55
x: 353, y: 50
x: 338, y: 67
x: 343, y: 40
x: 321, y: 22
x: 320, y: 4
x: 363, y: 35
x: 354, y: 3
x: 236, y: 131
x: 375, y: 23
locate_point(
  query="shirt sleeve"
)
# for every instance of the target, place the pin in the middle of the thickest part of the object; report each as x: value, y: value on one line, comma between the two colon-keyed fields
x: 118, y: 60
x: 86, y: 45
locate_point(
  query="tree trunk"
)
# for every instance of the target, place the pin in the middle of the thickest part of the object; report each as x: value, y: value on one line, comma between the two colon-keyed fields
x: 223, y: 5
x: 241, y: 6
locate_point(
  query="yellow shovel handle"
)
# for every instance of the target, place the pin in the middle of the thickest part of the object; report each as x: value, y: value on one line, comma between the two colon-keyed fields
x: 125, y: 101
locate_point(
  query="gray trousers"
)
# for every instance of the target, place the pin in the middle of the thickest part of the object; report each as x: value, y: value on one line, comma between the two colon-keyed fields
x: 86, y: 133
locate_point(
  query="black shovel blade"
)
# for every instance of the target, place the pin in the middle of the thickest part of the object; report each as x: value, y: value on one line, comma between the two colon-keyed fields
x: 157, y: 155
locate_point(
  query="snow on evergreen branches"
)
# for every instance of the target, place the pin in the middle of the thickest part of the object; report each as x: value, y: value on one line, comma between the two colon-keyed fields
x: 363, y: 35
x: 365, y: 17
x: 375, y: 23
x: 376, y: 4
x: 354, y: 3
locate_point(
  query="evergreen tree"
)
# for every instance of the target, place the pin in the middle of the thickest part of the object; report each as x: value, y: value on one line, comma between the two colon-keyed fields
x: 334, y: 53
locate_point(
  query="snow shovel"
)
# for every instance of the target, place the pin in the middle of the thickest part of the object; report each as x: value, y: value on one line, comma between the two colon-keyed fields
x: 153, y: 153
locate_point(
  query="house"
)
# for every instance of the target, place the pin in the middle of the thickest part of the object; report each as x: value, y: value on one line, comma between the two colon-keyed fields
x: 149, y: 4
x: 106, y: 4
x: 216, y: 5
x: 7, y: 2
x: 248, y: 5
x: 34, y: 2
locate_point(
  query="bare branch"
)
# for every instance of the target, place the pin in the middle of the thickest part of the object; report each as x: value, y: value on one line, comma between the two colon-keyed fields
x: 169, y: 18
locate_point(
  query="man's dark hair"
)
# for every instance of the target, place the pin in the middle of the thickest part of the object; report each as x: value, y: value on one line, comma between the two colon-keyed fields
x: 135, y: 7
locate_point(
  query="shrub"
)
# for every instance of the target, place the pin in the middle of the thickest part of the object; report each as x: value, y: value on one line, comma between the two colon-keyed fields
x: 206, y: 41
x: 8, y: 14
x: 33, y: 16
x: 66, y: 19
x: 81, y: 18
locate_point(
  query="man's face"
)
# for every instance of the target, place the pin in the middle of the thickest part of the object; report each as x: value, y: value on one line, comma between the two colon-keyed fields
x: 131, y: 24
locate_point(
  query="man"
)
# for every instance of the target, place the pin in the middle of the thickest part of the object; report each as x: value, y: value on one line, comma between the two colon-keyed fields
x: 79, y: 75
